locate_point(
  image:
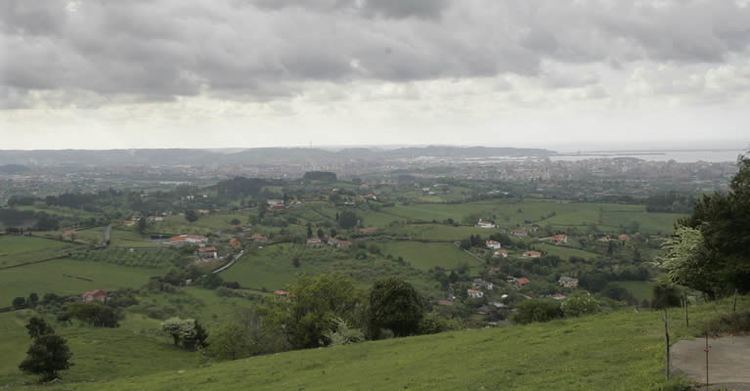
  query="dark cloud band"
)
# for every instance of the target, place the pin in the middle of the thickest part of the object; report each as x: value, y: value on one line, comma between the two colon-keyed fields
x: 156, y: 50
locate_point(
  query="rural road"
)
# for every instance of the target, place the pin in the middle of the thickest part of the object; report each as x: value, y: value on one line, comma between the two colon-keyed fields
x: 728, y: 361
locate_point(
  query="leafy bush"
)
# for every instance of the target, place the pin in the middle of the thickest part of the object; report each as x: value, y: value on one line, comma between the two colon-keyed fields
x: 187, y: 333
x: 665, y: 295
x: 314, y: 303
x: 343, y: 334
x: 94, y: 314
x: 395, y: 305
x: 537, y: 310
x: 734, y: 323
x: 616, y: 292
x: 578, y: 305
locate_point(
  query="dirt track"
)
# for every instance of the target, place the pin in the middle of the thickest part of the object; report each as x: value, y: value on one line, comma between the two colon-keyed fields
x: 728, y: 361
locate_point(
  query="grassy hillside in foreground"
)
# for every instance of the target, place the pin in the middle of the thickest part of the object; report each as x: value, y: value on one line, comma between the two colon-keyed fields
x: 617, y: 351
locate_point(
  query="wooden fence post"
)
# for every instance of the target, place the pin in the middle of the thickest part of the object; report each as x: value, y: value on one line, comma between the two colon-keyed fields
x: 666, y: 342
x: 706, y: 349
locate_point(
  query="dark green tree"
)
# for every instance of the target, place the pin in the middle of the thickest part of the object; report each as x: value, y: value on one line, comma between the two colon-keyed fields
x: 314, y: 303
x: 38, y: 327
x: 722, y: 245
x: 19, y: 302
x: 33, y: 300
x: 48, y: 353
x: 537, y: 310
x: 394, y: 305
x: 141, y: 225
x: 94, y: 314
x: 211, y: 281
x: 347, y: 219
x: 196, y: 338
x: 665, y: 295
x: 191, y: 216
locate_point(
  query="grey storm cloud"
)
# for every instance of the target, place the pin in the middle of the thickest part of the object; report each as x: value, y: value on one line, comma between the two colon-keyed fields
x: 386, y: 8
x: 158, y: 50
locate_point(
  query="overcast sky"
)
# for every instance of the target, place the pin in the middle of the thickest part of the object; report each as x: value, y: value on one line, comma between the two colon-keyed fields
x: 249, y: 73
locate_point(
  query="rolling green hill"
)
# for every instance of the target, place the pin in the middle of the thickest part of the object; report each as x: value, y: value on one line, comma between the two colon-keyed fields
x: 617, y: 351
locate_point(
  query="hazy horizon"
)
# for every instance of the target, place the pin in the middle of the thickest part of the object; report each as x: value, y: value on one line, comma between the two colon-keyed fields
x: 713, y: 145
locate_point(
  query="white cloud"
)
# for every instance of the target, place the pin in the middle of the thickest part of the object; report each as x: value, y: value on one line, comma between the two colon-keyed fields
x: 365, y: 71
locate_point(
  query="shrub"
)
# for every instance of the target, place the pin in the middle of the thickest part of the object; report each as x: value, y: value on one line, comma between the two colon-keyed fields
x: 665, y: 295
x: 94, y: 314
x: 578, y: 305
x: 395, y: 305
x: 343, y: 334
x: 616, y: 292
x: 187, y: 333
x: 314, y: 303
x: 734, y: 323
x: 19, y: 302
x: 537, y: 310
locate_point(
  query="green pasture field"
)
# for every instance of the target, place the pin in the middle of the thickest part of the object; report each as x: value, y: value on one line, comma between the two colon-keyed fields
x: 380, y: 219
x: 191, y: 302
x: 119, y: 237
x: 565, y: 252
x: 612, y: 218
x: 439, y: 232
x: 15, y: 250
x: 153, y: 257
x: 61, y: 211
x: 622, y: 350
x: 425, y: 256
x: 68, y: 277
x: 271, y: 268
x: 137, y: 347
x: 177, y: 224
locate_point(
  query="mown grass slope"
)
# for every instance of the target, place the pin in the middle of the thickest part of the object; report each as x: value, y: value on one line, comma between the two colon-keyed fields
x: 135, y: 348
x: 616, y: 351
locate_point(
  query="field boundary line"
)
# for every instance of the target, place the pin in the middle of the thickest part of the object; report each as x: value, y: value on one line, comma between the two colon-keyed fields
x: 37, y: 261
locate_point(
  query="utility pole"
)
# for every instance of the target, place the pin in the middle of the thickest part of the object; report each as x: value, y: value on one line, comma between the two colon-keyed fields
x: 685, y: 302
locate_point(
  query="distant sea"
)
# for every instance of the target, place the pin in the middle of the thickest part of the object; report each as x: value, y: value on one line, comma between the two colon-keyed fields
x: 681, y: 156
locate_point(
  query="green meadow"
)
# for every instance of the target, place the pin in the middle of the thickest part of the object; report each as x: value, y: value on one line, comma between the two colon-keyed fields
x: 176, y: 224
x: 118, y: 238
x: 135, y: 348
x: 15, y: 250
x: 565, y: 252
x: 267, y: 268
x: 439, y: 232
x: 612, y: 218
x: 428, y: 255
x: 272, y: 267
x: 622, y: 350
x: 69, y: 277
